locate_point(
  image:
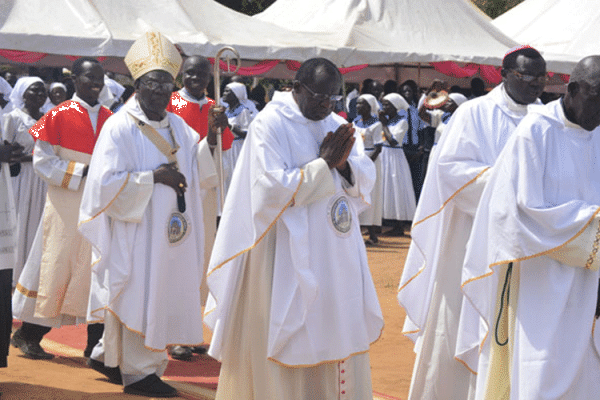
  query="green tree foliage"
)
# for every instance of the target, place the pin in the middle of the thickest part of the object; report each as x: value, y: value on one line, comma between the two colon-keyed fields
x: 249, y: 7
x: 494, y: 8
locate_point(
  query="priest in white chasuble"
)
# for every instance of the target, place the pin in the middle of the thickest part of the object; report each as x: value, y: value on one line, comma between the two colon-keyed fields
x: 531, y: 267
x: 458, y: 170
x: 292, y: 304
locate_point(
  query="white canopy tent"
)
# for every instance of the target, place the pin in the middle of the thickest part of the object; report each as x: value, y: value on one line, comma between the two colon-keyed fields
x: 108, y: 28
x: 396, y: 31
x: 564, y: 30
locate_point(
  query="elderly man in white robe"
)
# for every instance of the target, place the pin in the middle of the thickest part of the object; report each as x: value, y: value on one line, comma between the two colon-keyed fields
x: 292, y: 304
x: 531, y: 268
x: 429, y: 288
x: 142, y: 212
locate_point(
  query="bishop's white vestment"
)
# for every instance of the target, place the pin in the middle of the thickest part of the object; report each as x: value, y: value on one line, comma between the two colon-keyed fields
x: 147, y: 264
x: 292, y: 304
x: 539, y: 213
x: 429, y: 288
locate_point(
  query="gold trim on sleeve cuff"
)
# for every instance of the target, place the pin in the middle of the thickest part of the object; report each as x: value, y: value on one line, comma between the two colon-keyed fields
x: 68, y: 175
x: 27, y: 293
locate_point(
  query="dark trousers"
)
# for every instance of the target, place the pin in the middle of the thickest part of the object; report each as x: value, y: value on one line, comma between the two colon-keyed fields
x: 35, y: 333
x: 5, y: 314
x: 415, y: 163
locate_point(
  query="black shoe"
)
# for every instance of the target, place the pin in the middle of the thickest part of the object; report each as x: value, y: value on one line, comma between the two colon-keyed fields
x: 112, y: 373
x: 151, y: 386
x: 181, y: 353
x: 34, y: 351
x: 199, y: 349
x: 17, y: 340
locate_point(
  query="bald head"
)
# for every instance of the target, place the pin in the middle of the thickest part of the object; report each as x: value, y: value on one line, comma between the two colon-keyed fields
x: 587, y: 70
x: 195, y: 74
x: 197, y: 61
x: 582, y: 101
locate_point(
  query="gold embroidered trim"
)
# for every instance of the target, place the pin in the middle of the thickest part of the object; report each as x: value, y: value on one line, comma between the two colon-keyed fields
x: 289, y: 203
x: 410, y: 332
x: 411, y: 279
x: 317, y: 364
x: 110, y: 202
x: 590, y: 260
x: 27, y: 293
x: 543, y: 253
x: 328, y: 361
x: 465, y: 365
x: 450, y: 198
x: 139, y: 333
x: 68, y: 175
x: 434, y: 214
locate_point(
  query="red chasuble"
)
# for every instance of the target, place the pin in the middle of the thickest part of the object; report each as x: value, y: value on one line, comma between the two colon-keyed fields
x: 68, y: 125
x: 197, y: 117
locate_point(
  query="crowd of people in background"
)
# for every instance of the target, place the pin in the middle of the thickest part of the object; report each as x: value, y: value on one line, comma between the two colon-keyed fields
x: 389, y: 154
x: 416, y: 130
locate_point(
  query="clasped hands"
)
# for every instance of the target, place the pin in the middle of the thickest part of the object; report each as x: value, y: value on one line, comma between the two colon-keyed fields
x: 336, y: 147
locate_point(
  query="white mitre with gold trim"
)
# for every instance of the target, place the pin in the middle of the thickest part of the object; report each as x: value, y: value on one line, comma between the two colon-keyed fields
x: 151, y: 52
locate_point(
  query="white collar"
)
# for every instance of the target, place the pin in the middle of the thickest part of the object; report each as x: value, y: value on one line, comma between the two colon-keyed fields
x: 511, y: 104
x: 133, y: 107
x: 563, y: 117
x: 188, y: 97
x: 95, y: 109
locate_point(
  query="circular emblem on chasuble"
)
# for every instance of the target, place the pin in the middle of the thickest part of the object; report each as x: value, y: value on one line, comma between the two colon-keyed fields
x: 339, y: 215
x: 177, y: 227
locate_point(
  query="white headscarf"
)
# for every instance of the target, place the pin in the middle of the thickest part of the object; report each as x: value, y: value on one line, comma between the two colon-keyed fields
x: 397, y: 101
x: 239, y: 89
x: 5, y: 87
x: 457, y: 98
x: 57, y: 84
x: 16, y: 96
x: 115, y: 87
x: 369, y: 98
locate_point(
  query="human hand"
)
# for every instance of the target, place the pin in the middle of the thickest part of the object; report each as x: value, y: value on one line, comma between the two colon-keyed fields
x: 216, y: 120
x: 167, y: 174
x: 375, y: 154
x: 10, y: 152
x: 337, y: 145
x: 383, y: 118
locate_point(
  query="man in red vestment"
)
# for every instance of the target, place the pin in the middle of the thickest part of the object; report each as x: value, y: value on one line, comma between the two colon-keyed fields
x: 53, y: 288
x: 191, y: 102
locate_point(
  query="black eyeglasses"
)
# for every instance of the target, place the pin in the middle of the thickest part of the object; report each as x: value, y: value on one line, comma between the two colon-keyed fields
x: 530, y: 78
x: 155, y: 85
x: 321, y: 97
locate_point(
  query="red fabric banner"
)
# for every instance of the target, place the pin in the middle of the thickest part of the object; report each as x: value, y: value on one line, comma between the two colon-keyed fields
x: 22, y: 56
x: 489, y: 73
x: 450, y: 68
x: 261, y: 67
